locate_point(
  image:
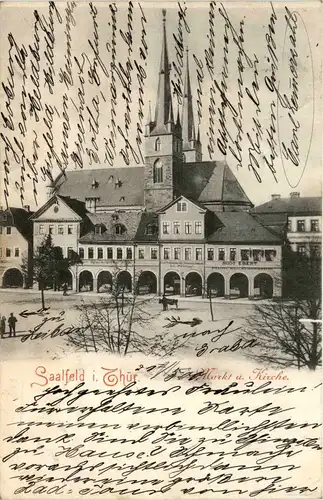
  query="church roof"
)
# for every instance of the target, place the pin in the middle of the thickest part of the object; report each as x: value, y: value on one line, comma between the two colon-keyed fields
x: 209, y: 181
x: 204, y: 182
x: 117, y: 187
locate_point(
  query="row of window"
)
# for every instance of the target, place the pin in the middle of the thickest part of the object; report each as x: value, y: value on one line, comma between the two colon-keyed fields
x: 55, y: 229
x: 304, y: 249
x: 301, y: 227
x: 177, y: 227
x: 120, y: 254
x: 5, y: 230
x: 10, y: 252
x: 177, y: 254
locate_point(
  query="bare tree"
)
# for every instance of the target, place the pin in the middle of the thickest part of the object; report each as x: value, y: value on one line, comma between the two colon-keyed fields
x: 282, y: 338
x: 108, y: 324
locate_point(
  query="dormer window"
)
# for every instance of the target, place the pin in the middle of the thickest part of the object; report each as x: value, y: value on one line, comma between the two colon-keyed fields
x: 151, y: 229
x: 118, y: 184
x: 157, y: 144
x: 98, y: 229
x: 120, y: 229
x: 94, y: 184
x: 158, y: 174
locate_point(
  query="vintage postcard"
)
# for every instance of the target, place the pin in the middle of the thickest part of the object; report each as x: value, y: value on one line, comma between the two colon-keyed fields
x: 160, y: 250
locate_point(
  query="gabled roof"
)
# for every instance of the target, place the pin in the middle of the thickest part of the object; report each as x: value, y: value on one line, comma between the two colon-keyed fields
x: 212, y: 181
x: 108, y: 221
x: 77, y: 206
x: 241, y: 227
x: 293, y: 205
x: 181, y: 197
x: 19, y: 218
x: 119, y: 187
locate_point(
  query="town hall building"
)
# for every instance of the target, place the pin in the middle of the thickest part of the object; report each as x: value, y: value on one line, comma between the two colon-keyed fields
x: 176, y: 225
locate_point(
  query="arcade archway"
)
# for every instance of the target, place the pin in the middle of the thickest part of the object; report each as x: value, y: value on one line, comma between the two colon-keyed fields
x: 239, y: 285
x: 263, y: 285
x: 147, y: 283
x: 104, y: 281
x: 172, y: 283
x: 193, y: 284
x: 86, y: 281
x: 124, y: 281
x: 215, y: 284
x: 12, y: 278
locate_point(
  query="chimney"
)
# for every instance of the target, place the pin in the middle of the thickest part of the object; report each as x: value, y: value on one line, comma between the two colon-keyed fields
x: 275, y: 196
x: 294, y: 194
x: 27, y: 208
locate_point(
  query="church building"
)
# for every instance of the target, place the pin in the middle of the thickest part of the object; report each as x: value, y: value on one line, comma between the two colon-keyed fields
x: 175, y: 225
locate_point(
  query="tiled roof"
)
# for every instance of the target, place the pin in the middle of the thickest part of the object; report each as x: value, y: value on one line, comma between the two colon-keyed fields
x: 271, y: 219
x: 19, y: 218
x: 203, y: 182
x: 130, y: 220
x: 122, y: 186
x: 292, y: 205
x: 241, y: 227
x: 212, y: 181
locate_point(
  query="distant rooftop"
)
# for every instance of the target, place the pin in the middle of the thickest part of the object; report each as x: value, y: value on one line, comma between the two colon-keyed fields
x: 295, y: 204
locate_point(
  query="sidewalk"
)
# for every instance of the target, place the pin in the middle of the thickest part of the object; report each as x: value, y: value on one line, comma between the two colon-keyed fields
x: 51, y: 293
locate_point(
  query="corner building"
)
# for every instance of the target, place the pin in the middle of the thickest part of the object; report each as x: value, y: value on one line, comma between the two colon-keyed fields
x: 176, y: 225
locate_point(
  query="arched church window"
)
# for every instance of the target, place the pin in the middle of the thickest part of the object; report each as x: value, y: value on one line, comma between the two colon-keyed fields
x: 158, y: 172
x: 157, y: 144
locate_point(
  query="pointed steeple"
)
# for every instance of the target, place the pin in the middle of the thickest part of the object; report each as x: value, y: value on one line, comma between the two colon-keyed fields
x: 188, y: 129
x: 164, y: 108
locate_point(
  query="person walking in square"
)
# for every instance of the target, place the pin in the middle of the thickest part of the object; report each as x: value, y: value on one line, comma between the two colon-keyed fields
x: 165, y: 303
x: 64, y: 287
x: 2, y: 326
x: 12, y: 320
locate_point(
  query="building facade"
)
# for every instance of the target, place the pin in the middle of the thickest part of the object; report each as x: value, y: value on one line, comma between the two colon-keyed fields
x: 15, y: 247
x: 299, y: 219
x: 175, y: 225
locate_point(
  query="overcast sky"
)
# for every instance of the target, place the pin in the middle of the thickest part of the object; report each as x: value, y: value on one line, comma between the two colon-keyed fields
x: 19, y: 20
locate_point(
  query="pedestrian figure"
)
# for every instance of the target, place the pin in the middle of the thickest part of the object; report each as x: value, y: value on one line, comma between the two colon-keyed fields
x: 3, y: 326
x: 165, y: 303
x: 64, y: 287
x: 12, y: 320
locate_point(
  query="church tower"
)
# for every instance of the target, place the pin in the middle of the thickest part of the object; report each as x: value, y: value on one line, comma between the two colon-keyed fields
x: 192, y: 148
x: 163, y: 142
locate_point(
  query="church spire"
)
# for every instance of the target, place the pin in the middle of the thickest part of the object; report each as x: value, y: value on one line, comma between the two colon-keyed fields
x: 188, y: 129
x: 164, y: 108
x: 192, y: 148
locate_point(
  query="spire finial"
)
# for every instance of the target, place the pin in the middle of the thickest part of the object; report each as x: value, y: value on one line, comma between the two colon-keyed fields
x: 164, y: 16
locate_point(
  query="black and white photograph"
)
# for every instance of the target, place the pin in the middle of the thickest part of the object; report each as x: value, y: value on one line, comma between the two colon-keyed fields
x: 161, y: 237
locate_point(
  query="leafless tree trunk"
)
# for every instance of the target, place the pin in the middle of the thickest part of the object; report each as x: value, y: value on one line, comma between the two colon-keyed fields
x: 282, y: 339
